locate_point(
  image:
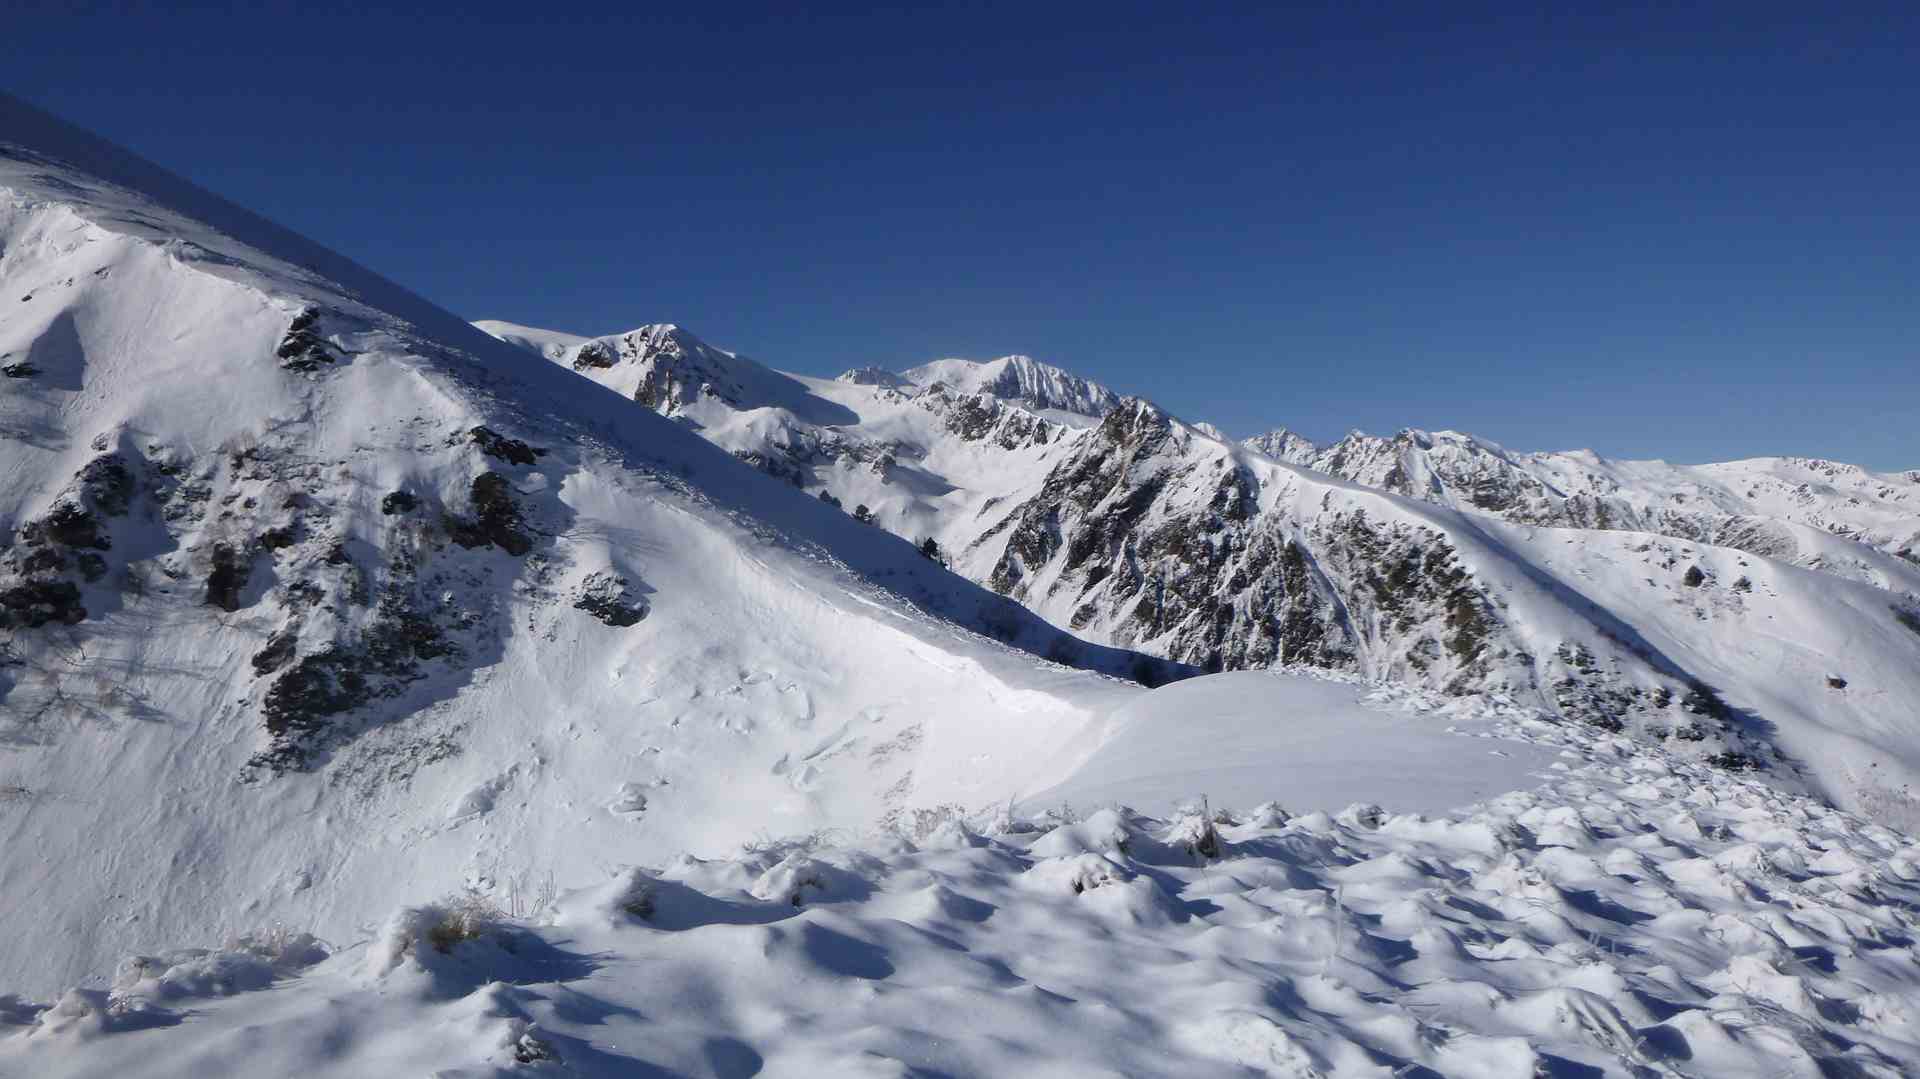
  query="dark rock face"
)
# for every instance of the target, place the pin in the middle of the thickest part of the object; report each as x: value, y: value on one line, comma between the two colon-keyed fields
x: 610, y: 600
x: 511, y: 450
x: 70, y: 525
x: 981, y: 417
x: 302, y: 707
x: 231, y: 568
x: 36, y: 576
x: 303, y: 349
x: 108, y: 484
x: 397, y: 502
x: 1168, y: 548
x: 19, y: 369
x: 277, y: 651
x: 32, y: 604
x: 593, y: 354
x: 496, y: 518
x: 1694, y: 577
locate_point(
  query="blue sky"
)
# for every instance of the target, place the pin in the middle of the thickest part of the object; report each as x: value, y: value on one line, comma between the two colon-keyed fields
x: 1688, y: 234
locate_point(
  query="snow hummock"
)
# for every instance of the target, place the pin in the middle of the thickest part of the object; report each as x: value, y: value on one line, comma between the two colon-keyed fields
x: 1635, y: 915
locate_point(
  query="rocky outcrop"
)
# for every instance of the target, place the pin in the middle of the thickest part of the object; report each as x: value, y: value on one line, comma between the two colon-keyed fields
x: 611, y: 600
x: 302, y: 348
x: 53, y: 557
x: 495, y: 518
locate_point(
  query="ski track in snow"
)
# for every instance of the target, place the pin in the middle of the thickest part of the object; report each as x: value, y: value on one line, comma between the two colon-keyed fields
x: 1635, y: 915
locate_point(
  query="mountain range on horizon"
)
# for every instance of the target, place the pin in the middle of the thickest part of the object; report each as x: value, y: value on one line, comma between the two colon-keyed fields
x: 1435, y: 558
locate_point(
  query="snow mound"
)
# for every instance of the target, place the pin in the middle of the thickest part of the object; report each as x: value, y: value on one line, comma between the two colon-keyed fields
x: 1245, y: 736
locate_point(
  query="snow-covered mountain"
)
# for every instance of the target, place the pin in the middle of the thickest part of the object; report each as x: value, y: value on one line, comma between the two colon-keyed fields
x: 1788, y: 508
x: 1731, y: 639
x: 321, y: 611
x: 314, y: 598
x: 1022, y: 380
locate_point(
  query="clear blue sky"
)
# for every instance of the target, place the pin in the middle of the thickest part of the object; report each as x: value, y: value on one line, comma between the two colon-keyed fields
x: 1693, y: 235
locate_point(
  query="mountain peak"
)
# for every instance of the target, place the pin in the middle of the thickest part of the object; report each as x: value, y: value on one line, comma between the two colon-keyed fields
x: 1022, y: 379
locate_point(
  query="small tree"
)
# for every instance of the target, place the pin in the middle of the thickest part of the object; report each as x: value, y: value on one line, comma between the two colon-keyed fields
x: 862, y: 514
x: 930, y: 547
x: 829, y: 499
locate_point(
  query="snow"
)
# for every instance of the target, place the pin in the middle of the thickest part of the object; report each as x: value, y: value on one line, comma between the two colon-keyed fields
x: 1637, y: 915
x: 1246, y: 736
x: 801, y: 815
x: 551, y: 344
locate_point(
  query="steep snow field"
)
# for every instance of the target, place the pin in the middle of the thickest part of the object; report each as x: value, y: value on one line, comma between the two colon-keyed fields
x: 1636, y: 915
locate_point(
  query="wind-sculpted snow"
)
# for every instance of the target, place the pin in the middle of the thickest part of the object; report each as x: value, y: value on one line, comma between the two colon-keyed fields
x: 1637, y: 914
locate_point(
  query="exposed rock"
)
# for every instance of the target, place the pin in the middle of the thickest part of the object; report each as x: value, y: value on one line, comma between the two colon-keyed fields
x: 108, y: 484
x: 276, y: 652
x: 19, y: 369
x: 228, y: 578
x: 609, y: 599
x: 36, y: 603
x: 301, y: 708
x: 496, y: 518
x: 396, y: 502
x: 872, y: 376
x: 593, y: 354
x: 69, y: 525
x: 302, y: 349
x: 511, y: 450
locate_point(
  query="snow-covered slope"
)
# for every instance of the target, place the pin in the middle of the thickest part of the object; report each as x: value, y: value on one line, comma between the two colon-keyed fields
x: 549, y: 343
x: 1635, y: 915
x: 315, y: 599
